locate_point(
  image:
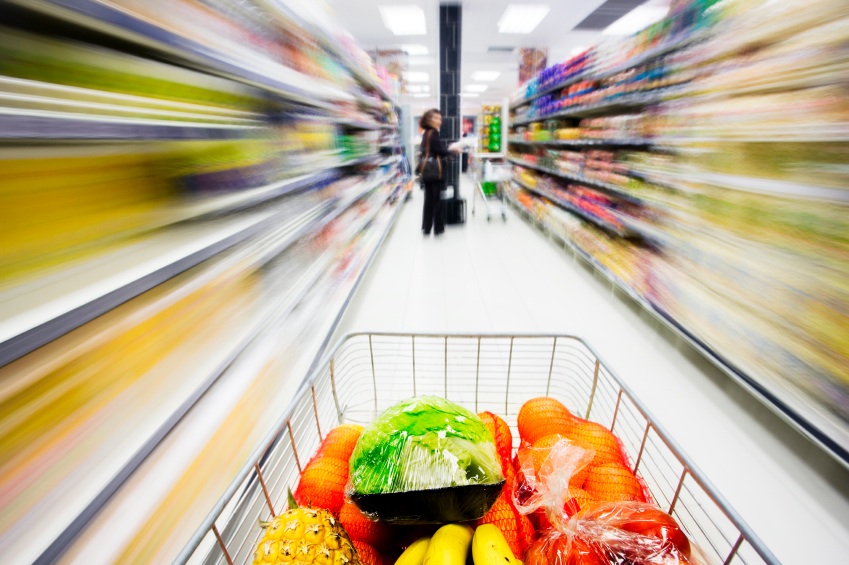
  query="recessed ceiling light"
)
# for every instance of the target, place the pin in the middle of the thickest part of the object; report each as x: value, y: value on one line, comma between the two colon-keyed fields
x: 637, y: 19
x: 522, y: 18
x: 403, y: 19
x: 485, y: 76
x: 477, y: 87
x: 410, y: 49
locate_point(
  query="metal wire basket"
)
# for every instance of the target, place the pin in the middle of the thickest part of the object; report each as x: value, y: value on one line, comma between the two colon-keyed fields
x: 367, y: 373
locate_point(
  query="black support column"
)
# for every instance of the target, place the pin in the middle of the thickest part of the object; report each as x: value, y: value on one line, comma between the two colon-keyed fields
x: 450, y: 26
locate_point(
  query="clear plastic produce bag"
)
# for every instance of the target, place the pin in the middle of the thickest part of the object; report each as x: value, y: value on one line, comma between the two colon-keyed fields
x: 425, y: 460
x: 594, y: 533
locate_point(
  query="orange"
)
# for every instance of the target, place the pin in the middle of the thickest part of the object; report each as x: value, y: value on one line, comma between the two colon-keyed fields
x: 360, y: 528
x: 516, y: 527
x: 541, y: 450
x: 503, y: 437
x: 613, y: 482
x: 322, y: 484
x: 582, y: 498
x: 340, y: 442
x: 368, y: 555
x: 543, y: 416
x: 598, y: 438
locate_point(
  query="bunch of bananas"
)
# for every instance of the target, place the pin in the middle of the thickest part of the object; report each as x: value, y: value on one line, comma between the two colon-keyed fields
x: 450, y: 545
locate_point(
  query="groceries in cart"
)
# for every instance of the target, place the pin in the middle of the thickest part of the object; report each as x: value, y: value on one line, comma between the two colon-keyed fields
x: 426, y: 460
x: 431, y: 482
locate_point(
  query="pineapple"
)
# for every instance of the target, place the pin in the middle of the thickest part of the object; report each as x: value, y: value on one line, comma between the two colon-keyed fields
x: 302, y: 536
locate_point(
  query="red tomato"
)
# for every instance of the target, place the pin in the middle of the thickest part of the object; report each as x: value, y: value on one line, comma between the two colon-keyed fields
x: 655, y: 523
x: 564, y: 550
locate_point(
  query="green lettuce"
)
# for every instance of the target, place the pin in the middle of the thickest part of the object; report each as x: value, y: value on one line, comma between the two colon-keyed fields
x: 424, y: 443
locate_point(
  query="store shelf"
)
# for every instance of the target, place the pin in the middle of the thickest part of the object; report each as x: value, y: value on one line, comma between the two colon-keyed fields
x: 390, y: 160
x: 359, y: 161
x: 578, y: 250
x: 40, y: 124
x: 621, y: 230
x: 638, y: 100
x: 46, y: 308
x: 106, y: 475
x: 584, y: 142
x: 618, y: 190
x: 837, y: 132
x: 647, y: 56
x: 110, y: 20
x: 783, y: 409
x: 314, y: 302
x: 685, y: 181
x: 356, y: 124
x: 251, y: 197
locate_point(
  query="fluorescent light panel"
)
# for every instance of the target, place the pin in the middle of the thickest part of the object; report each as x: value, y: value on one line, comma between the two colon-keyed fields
x: 477, y: 87
x: 416, y: 76
x: 418, y: 88
x: 403, y: 19
x: 485, y: 76
x: 636, y: 20
x: 522, y: 18
x: 469, y: 94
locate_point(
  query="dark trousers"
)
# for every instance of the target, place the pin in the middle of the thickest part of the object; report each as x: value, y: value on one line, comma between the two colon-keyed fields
x: 432, y: 215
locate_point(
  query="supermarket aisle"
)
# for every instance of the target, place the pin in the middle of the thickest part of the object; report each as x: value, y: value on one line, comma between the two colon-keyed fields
x: 506, y: 278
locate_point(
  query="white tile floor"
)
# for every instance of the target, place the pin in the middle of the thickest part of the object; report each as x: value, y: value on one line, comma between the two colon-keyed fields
x: 506, y: 277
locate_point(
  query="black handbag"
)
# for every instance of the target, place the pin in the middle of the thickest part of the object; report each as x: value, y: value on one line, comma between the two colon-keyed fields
x: 431, y: 168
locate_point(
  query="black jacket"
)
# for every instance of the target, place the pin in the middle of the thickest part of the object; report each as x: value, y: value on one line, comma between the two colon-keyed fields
x: 435, y: 144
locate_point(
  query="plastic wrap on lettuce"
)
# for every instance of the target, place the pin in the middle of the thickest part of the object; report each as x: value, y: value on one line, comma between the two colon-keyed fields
x: 425, y: 460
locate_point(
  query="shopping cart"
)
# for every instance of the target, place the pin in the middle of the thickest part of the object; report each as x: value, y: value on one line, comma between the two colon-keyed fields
x: 367, y: 373
x: 488, y: 180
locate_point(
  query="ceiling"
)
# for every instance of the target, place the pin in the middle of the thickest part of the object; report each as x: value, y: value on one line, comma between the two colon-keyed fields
x: 480, y: 32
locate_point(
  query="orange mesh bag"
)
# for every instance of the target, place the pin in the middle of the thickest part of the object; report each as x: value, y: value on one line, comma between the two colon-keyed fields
x: 516, y: 527
x: 503, y: 437
x: 613, y: 482
x: 591, y: 435
x: 322, y: 484
x: 360, y: 528
x: 541, y: 449
x: 340, y: 442
x: 368, y: 555
x: 543, y: 416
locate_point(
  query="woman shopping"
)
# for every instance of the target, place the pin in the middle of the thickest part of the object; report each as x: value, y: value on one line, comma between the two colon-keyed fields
x: 433, y: 169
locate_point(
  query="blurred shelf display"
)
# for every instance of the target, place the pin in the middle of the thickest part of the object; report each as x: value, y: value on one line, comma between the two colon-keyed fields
x: 184, y: 187
x: 579, y: 142
x: 490, y: 130
x: 244, y: 45
x: 620, y: 190
x: 733, y: 176
x: 609, y: 222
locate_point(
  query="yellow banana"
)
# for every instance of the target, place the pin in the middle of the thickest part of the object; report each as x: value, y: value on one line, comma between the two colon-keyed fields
x: 490, y: 548
x: 415, y: 553
x: 449, y: 545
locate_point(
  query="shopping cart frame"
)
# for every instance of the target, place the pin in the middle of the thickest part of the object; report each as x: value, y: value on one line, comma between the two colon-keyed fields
x: 477, y: 180
x: 367, y: 372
